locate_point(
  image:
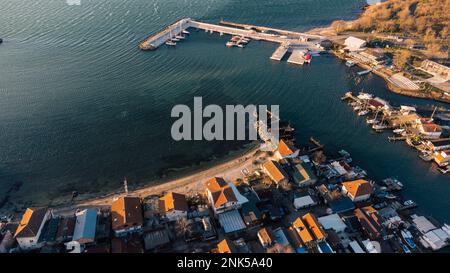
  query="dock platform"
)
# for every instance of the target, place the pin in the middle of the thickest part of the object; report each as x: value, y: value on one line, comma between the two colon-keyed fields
x: 279, y: 53
x: 297, y: 57
x: 287, y: 40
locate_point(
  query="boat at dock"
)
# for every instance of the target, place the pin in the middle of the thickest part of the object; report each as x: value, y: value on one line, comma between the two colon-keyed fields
x: 363, y: 112
x: 392, y: 184
x: 171, y: 43
x: 379, y: 127
x: 364, y: 72
x: 230, y: 44
x: 185, y: 32
x: 349, y: 63
x: 408, y: 238
x: 398, y: 131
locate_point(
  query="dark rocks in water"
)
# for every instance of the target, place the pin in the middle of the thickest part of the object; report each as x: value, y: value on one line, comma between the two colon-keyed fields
x: 74, y: 194
x: 1, y: 40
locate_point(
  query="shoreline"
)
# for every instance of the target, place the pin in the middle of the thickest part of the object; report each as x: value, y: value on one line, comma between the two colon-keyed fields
x: 230, y: 169
x: 328, y: 32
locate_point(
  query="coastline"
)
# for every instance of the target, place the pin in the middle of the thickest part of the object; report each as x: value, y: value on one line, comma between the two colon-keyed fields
x: 333, y: 36
x: 229, y: 169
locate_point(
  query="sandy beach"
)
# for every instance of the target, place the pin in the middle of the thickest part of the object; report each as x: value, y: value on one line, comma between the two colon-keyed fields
x: 229, y: 170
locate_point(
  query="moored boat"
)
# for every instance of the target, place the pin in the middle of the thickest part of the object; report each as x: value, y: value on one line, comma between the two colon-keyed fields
x: 171, y: 43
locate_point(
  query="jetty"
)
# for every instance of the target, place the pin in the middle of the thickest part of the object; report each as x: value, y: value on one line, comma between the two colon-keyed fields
x: 288, y: 40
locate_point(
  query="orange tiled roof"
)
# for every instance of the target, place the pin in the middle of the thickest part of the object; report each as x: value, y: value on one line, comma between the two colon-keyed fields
x: 284, y: 149
x: 31, y: 222
x: 215, y: 184
x: 302, y: 231
x: 314, y: 225
x: 225, y: 246
x: 126, y: 211
x: 274, y: 170
x: 221, y: 192
x: 173, y: 201
x: 358, y: 187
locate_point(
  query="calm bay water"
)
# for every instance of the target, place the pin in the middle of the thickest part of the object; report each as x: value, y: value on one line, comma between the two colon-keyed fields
x: 82, y: 107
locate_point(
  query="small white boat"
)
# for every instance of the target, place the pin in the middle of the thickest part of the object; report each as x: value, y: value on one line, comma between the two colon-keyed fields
x: 371, y: 121
x: 180, y: 37
x: 398, y: 131
x: 174, y: 39
x: 357, y: 108
x: 349, y: 63
x: 379, y: 127
x: 185, y: 32
x: 241, y: 45
x: 171, y: 43
x: 230, y: 44
x: 363, y: 112
x: 364, y: 72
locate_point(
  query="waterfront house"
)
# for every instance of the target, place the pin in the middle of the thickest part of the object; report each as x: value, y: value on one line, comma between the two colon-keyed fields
x: 285, y: 150
x: 370, y: 222
x: 357, y: 190
x: 302, y: 231
x: 430, y: 130
x: 223, y: 196
x: 438, y: 144
x: 173, y: 206
x: 354, y: 44
x: 126, y: 215
x: 314, y: 226
x: 85, y: 226
x: 275, y: 172
x: 303, y: 175
x: 30, y: 228
x: 266, y: 237
x: 442, y: 158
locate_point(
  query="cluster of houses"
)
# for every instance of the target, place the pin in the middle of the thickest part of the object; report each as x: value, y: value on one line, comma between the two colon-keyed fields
x: 295, y: 202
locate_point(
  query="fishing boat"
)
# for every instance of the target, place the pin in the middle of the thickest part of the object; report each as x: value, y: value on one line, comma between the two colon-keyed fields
x: 185, y: 32
x: 349, y: 63
x: 409, y: 204
x: 180, y: 37
x: 392, y: 184
x: 426, y: 156
x: 408, y: 238
x: 378, y: 127
x: 171, y: 43
x: 398, y: 131
x: 364, y: 72
x: 230, y: 44
x: 363, y: 112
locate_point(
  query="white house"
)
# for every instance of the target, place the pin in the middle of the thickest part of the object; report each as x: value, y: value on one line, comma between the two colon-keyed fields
x: 30, y: 228
x: 223, y: 196
x: 173, y: 206
x: 304, y: 202
x: 334, y: 222
x: 357, y: 190
x: 354, y: 44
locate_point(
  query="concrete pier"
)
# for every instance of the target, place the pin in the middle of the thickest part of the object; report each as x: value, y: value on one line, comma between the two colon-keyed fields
x: 288, y: 40
x: 297, y: 57
x: 280, y: 52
